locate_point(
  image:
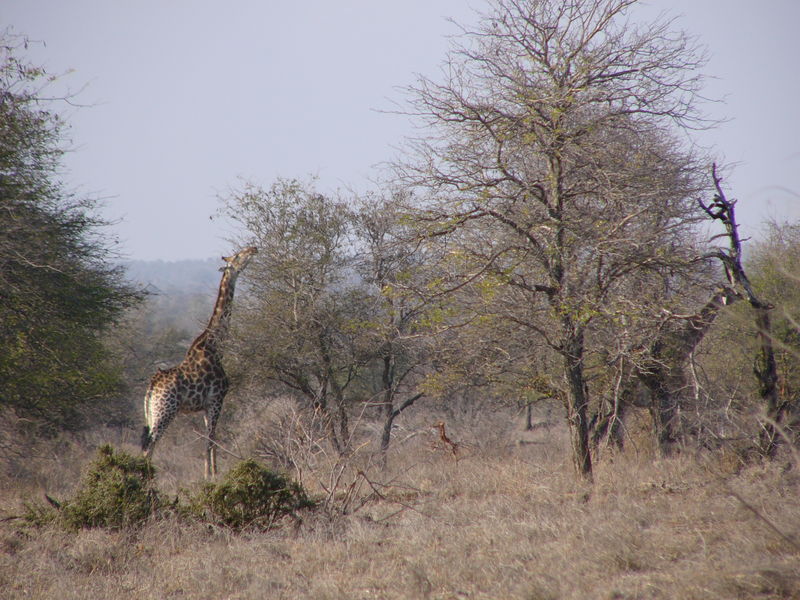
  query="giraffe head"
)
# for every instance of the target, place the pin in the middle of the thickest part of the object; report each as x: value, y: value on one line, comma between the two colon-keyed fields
x: 239, y: 261
x: 230, y: 273
x: 727, y: 295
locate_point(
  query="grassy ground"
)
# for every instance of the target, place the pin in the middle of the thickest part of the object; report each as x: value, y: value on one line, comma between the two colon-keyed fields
x: 499, y: 522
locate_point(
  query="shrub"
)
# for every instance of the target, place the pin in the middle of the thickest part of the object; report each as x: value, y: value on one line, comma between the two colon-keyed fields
x: 250, y: 496
x: 117, y: 491
x: 37, y: 515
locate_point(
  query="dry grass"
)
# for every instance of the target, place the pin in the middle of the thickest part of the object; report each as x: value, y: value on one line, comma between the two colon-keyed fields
x: 500, y: 522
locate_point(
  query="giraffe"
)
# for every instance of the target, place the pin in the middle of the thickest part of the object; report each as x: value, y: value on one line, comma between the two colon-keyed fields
x: 661, y: 373
x: 199, y: 381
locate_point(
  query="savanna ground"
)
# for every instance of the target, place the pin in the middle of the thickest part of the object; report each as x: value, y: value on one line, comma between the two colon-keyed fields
x: 503, y: 520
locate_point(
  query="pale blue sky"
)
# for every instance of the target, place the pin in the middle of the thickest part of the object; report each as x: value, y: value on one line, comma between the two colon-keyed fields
x: 187, y: 96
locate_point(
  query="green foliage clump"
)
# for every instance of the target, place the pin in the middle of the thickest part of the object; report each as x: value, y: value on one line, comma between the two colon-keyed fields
x: 117, y: 491
x: 61, y: 288
x: 37, y: 515
x: 250, y: 496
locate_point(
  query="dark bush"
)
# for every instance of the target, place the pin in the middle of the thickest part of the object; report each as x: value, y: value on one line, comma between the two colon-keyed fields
x: 250, y: 496
x: 117, y: 491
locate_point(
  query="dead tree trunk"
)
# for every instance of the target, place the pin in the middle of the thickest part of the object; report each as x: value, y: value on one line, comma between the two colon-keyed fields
x: 766, y: 373
x: 765, y: 370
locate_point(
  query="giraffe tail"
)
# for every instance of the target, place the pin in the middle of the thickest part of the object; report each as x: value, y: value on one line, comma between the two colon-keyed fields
x: 147, y: 433
x: 146, y: 437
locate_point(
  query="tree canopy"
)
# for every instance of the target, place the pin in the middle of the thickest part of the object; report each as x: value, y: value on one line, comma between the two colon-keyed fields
x: 553, y: 161
x: 59, y: 289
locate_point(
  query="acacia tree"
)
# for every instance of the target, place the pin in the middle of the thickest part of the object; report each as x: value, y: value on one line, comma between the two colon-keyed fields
x: 59, y: 288
x: 774, y: 265
x: 324, y: 316
x: 303, y: 312
x: 553, y: 161
x: 389, y: 263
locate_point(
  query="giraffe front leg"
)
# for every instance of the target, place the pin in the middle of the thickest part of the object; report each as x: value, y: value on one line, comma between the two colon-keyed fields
x: 211, y: 417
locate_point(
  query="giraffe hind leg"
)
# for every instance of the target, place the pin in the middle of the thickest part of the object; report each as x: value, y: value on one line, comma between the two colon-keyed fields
x: 146, y: 433
x: 161, y: 421
x: 152, y: 399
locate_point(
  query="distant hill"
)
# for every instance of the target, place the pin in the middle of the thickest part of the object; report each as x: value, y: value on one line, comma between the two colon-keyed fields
x: 181, y: 293
x: 176, y: 277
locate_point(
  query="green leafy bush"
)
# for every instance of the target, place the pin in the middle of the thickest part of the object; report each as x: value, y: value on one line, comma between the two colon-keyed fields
x: 250, y: 496
x: 37, y: 515
x: 117, y: 491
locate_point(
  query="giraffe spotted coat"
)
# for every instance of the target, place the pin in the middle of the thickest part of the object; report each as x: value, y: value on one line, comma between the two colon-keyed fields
x: 199, y: 382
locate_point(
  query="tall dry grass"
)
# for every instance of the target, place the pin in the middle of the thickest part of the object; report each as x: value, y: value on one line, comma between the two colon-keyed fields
x: 500, y: 521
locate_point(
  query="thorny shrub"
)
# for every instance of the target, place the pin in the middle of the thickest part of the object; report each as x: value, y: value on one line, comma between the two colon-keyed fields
x: 250, y: 496
x: 117, y: 491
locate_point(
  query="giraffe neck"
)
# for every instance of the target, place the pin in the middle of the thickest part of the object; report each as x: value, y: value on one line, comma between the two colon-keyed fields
x: 698, y: 325
x: 218, y: 324
x: 222, y: 308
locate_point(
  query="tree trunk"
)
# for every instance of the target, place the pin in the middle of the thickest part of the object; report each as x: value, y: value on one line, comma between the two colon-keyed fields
x: 766, y: 370
x: 322, y: 409
x: 608, y: 425
x: 341, y: 418
x: 388, y: 409
x: 577, y: 401
x: 340, y: 438
x: 664, y: 411
x: 386, y: 434
x: 387, y: 379
x: 615, y: 431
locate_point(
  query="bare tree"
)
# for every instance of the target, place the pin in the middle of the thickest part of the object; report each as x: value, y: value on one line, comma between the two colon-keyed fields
x: 325, y: 318
x: 552, y: 163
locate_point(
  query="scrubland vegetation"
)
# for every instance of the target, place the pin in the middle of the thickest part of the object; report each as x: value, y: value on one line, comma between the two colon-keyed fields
x: 501, y: 521
x: 537, y: 361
